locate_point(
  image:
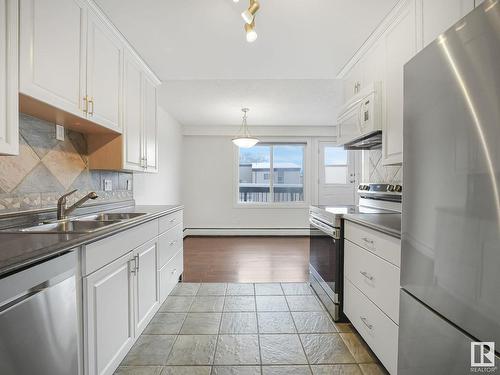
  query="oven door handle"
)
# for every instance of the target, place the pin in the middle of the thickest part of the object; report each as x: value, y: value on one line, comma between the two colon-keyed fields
x: 331, y: 231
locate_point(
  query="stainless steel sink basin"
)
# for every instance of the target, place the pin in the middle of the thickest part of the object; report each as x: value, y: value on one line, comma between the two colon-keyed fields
x: 70, y: 226
x: 113, y: 216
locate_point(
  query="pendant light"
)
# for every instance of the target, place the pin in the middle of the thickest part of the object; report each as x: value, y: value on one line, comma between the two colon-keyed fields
x: 250, y: 32
x: 244, y: 139
x: 249, y: 14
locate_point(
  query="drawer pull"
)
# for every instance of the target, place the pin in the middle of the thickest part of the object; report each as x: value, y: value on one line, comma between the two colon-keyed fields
x: 172, y: 220
x: 367, y: 240
x: 133, y: 269
x: 174, y: 270
x: 172, y: 243
x: 367, y: 275
x: 365, y: 322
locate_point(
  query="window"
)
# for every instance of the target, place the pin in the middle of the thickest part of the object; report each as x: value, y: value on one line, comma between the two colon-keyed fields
x: 270, y: 173
x: 336, y: 165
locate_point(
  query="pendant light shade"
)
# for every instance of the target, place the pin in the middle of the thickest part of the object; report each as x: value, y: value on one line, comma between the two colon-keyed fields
x: 244, y: 139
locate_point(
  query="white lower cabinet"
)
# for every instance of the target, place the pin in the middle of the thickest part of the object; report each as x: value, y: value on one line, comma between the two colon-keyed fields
x: 109, y: 315
x: 123, y: 286
x: 146, y: 294
x: 169, y: 274
x: 379, y: 332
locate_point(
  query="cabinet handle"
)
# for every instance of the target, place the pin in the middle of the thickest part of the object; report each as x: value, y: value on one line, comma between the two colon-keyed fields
x: 133, y: 269
x: 172, y: 220
x: 91, y: 101
x: 86, y: 104
x: 172, y: 243
x: 367, y: 240
x: 173, y: 271
x: 137, y: 262
x: 365, y: 321
x: 367, y: 275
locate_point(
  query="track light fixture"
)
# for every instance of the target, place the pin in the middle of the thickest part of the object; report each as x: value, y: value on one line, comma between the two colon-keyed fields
x: 250, y: 31
x: 249, y: 14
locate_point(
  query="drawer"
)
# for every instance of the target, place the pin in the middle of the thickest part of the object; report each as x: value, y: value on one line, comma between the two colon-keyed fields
x: 100, y: 253
x: 168, y: 275
x: 169, y: 221
x: 384, y: 246
x: 169, y: 244
x: 379, y: 332
x: 374, y: 276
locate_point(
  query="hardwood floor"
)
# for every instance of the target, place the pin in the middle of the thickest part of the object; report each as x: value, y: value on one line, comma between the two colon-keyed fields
x: 246, y: 259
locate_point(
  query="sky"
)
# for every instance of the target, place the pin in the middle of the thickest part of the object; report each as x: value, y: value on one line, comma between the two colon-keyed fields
x: 282, y: 153
x: 289, y: 154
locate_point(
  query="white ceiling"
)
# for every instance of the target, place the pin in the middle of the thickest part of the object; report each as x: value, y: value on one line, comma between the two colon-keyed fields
x: 204, y: 40
x: 271, y: 102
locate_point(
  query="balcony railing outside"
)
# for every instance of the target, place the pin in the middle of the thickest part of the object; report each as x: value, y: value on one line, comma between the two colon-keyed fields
x: 257, y: 193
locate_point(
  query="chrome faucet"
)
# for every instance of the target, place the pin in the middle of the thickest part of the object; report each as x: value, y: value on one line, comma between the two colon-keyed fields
x: 63, y: 211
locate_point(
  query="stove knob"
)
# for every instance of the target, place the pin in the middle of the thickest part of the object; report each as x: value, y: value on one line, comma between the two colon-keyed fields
x: 361, y: 187
x: 367, y: 187
x: 390, y: 188
x: 398, y: 188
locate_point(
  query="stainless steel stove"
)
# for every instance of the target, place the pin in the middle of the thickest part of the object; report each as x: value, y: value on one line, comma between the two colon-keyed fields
x: 326, y: 260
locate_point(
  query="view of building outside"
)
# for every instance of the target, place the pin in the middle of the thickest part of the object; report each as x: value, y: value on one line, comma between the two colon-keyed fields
x: 271, y: 173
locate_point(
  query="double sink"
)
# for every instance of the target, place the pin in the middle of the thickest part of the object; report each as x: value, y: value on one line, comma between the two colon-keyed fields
x: 86, y: 224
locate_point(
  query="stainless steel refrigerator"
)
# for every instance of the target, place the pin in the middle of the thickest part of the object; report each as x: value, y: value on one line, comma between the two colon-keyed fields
x: 450, y: 272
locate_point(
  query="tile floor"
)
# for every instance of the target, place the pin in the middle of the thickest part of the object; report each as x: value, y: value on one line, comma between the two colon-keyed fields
x: 247, y: 329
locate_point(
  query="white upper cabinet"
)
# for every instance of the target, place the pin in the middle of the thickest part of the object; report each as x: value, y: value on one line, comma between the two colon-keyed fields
x: 438, y: 16
x: 104, y: 74
x: 9, y: 117
x: 411, y: 25
x: 400, y: 44
x: 150, y: 126
x: 132, y: 116
x: 52, y: 52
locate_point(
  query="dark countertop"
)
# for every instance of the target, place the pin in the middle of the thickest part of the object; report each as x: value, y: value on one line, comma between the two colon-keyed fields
x: 387, y: 223
x: 21, y: 249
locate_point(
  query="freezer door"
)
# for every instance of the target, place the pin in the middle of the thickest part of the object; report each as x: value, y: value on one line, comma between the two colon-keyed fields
x: 429, y: 344
x: 451, y: 198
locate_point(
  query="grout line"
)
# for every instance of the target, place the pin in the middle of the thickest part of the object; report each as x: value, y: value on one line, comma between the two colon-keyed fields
x: 258, y: 330
x: 218, y: 331
x: 300, y: 340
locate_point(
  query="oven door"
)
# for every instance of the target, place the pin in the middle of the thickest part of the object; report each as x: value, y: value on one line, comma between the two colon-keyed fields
x: 325, y: 257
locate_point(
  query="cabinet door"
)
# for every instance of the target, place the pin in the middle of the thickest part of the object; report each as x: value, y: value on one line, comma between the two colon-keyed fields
x: 9, y: 116
x: 109, y: 315
x: 146, y: 285
x: 150, y: 126
x: 104, y: 74
x: 400, y: 46
x: 438, y: 16
x: 52, y: 52
x: 132, y: 116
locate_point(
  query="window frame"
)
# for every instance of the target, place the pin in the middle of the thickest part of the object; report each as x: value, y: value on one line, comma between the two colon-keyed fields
x: 305, y: 182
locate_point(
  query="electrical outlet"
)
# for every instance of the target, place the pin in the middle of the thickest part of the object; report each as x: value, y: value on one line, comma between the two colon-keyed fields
x: 108, y: 185
x: 129, y: 184
x: 59, y: 132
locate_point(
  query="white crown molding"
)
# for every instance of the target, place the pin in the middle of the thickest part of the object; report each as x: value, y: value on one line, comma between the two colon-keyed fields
x: 262, y: 131
x: 373, y: 38
x: 105, y: 19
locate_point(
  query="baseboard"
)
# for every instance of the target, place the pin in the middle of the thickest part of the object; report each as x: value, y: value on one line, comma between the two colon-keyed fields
x: 246, y: 232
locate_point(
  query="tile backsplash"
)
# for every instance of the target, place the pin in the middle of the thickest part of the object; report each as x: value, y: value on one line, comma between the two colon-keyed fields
x: 45, y: 168
x: 391, y: 174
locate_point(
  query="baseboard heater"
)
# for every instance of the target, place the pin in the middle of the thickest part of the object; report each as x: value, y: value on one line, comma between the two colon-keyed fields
x: 246, y: 232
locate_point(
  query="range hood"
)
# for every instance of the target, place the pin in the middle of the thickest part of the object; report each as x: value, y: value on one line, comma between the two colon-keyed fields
x: 367, y: 141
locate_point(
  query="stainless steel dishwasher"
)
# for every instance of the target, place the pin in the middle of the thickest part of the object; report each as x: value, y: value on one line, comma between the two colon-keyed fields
x: 38, y: 319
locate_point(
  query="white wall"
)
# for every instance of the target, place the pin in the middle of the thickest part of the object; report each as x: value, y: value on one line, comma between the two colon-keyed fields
x: 208, y: 188
x: 165, y: 186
